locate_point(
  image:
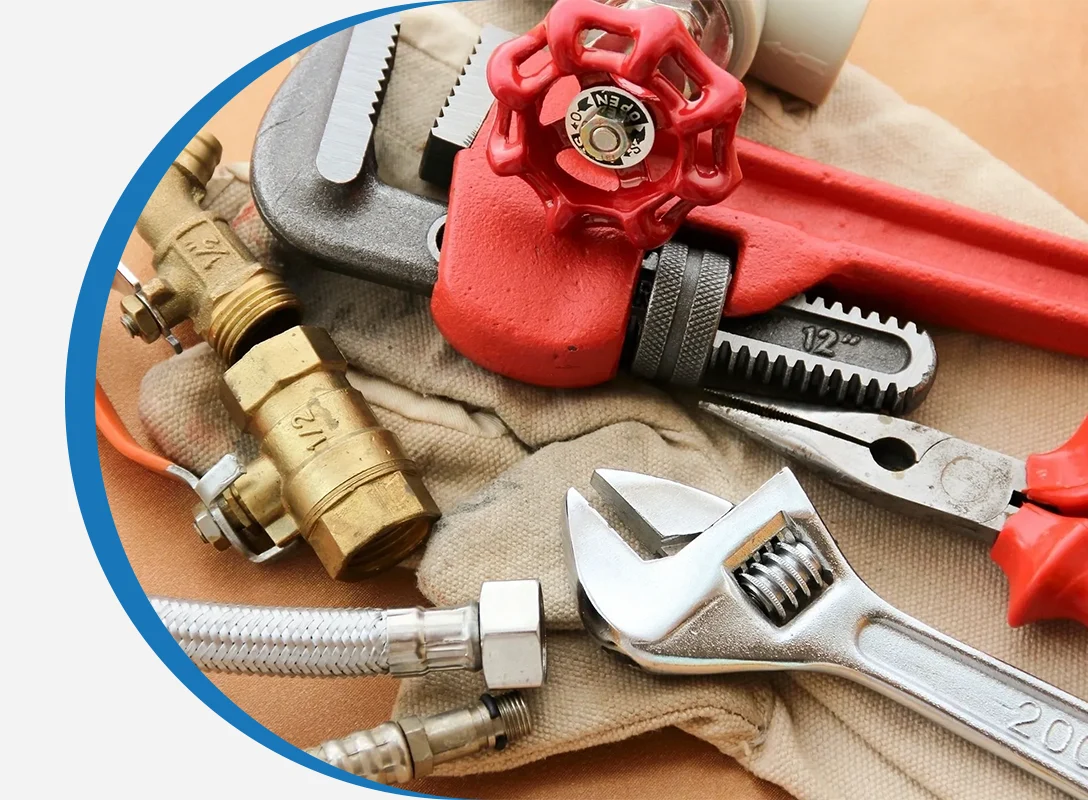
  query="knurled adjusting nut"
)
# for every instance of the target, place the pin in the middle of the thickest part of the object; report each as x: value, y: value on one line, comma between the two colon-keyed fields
x: 512, y: 647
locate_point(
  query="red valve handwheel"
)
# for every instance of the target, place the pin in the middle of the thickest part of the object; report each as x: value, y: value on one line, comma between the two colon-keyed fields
x: 647, y: 208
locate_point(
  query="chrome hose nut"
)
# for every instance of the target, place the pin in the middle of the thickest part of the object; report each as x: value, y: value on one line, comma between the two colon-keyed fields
x: 512, y: 646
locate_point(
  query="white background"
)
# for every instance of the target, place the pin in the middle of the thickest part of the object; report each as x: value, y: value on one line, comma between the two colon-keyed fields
x: 86, y: 703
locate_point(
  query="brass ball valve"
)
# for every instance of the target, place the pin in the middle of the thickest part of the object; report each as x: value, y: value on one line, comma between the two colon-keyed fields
x: 328, y: 472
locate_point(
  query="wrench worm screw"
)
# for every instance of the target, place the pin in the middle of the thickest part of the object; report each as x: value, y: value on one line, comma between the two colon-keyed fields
x: 782, y: 577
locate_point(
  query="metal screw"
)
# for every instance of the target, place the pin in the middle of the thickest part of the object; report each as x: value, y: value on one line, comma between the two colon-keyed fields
x: 605, y: 137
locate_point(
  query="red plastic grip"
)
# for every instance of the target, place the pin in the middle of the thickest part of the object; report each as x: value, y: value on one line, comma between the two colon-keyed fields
x: 1060, y: 478
x: 1045, y: 557
x: 648, y: 209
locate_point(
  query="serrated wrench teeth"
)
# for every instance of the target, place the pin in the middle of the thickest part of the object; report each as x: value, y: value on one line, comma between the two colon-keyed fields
x: 825, y: 353
x: 360, y: 89
x: 466, y: 108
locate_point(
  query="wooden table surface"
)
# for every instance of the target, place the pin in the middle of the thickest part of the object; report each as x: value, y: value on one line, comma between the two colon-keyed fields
x: 1011, y: 74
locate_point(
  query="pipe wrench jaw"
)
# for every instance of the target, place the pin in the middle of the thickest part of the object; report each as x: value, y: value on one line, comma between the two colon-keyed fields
x: 734, y: 598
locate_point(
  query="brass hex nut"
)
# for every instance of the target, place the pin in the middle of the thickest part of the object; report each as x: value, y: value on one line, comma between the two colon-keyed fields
x: 275, y: 363
x: 512, y: 643
x: 374, y: 527
x: 138, y: 319
x: 415, y: 734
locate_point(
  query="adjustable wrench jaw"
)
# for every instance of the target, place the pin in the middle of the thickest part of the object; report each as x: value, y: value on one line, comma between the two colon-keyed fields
x: 664, y: 515
x: 688, y: 613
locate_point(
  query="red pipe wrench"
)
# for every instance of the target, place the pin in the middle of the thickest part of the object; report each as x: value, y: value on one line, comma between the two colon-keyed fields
x: 552, y: 309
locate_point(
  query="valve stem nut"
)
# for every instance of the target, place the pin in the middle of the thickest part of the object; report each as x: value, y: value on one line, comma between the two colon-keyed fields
x: 611, y: 127
x: 605, y: 137
x: 207, y: 530
x: 138, y: 320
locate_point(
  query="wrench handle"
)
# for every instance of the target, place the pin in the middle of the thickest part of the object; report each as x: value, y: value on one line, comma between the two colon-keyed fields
x: 1014, y: 715
x: 798, y: 224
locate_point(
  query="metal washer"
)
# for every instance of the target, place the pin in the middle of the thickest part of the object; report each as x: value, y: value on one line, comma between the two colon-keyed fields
x: 640, y: 128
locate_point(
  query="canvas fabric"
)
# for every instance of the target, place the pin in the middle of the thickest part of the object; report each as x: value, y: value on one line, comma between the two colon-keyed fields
x: 499, y: 455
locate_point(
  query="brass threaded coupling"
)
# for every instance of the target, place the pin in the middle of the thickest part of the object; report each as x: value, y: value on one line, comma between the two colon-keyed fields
x: 204, y: 272
x: 327, y: 470
x: 395, y: 752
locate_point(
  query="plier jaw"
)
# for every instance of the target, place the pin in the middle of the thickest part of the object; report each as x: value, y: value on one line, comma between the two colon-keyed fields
x: 886, y: 460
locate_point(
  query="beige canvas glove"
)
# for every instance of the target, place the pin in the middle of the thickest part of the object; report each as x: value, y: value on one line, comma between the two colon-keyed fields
x: 499, y: 455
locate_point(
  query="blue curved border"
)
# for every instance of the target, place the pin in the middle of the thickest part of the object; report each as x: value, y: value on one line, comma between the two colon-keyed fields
x: 79, y: 393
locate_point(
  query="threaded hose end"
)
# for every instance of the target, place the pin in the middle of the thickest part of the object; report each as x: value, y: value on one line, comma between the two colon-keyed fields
x: 515, y: 715
x: 200, y: 157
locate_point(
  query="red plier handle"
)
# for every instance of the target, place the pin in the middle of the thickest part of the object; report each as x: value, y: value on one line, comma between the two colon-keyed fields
x: 1044, y: 552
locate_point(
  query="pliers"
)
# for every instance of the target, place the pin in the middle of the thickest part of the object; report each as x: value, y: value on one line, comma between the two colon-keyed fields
x: 1034, y: 513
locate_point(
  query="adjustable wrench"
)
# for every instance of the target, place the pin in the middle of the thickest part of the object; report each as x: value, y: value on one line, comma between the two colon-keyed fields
x: 762, y: 586
x: 316, y: 185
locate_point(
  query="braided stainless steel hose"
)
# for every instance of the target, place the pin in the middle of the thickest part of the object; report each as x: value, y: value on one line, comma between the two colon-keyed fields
x: 502, y: 635
x: 395, y: 752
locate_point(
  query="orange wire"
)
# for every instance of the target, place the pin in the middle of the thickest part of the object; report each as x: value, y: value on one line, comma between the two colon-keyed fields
x: 107, y: 421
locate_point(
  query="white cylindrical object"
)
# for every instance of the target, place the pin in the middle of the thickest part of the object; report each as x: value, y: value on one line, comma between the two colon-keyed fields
x: 805, y: 43
x: 747, y: 19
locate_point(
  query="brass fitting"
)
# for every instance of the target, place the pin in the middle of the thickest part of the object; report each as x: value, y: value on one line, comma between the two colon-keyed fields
x: 327, y: 470
x: 204, y: 272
